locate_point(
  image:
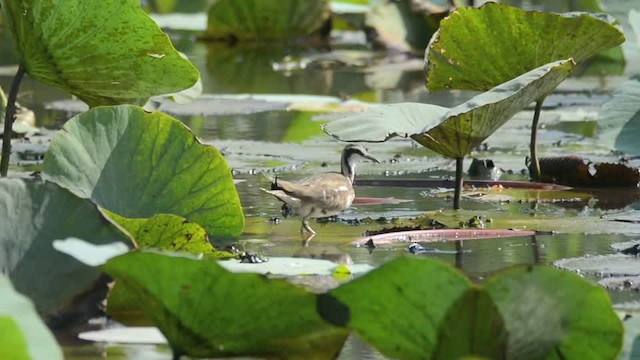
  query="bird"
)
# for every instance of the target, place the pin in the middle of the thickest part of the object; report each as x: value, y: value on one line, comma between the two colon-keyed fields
x: 321, y: 195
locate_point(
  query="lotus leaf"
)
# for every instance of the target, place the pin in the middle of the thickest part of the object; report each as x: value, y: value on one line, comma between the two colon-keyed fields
x: 169, y: 232
x: 206, y: 311
x: 479, y: 48
x: 33, y: 214
x: 24, y: 335
x: 138, y: 164
x: 434, y: 312
x: 105, y: 52
x: 265, y: 20
x: 451, y: 132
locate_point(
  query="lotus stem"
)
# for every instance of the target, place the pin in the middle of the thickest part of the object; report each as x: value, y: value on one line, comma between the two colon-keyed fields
x: 534, y: 165
x: 536, y: 249
x: 458, y: 191
x: 459, y: 252
x: 9, y: 117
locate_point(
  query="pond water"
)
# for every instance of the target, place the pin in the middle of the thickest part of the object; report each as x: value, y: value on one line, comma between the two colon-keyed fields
x: 291, y: 145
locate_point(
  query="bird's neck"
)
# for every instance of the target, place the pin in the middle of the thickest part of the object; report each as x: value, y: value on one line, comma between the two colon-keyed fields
x: 348, y: 167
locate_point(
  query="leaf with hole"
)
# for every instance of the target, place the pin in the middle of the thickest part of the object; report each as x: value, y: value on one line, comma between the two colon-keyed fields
x: 138, y: 164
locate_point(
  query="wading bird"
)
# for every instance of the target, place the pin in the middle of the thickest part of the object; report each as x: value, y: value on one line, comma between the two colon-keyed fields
x: 324, y: 194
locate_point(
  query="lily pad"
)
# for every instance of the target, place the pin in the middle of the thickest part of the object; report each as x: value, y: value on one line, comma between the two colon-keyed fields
x: 138, y: 164
x: 206, y: 311
x: 452, y: 132
x: 266, y: 20
x: 33, y: 215
x: 441, y: 235
x: 474, y: 47
x: 126, y: 335
x: 291, y: 267
x: 602, y: 265
x: 105, y: 53
x: 24, y: 335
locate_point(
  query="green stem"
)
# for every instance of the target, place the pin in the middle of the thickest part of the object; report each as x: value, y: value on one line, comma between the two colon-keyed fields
x: 9, y: 117
x: 459, y: 252
x: 458, y: 191
x: 534, y: 166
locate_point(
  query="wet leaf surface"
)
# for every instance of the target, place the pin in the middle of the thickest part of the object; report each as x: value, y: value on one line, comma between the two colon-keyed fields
x: 602, y: 265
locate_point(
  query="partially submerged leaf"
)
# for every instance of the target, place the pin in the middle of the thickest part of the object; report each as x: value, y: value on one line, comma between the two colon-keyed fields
x: 24, y: 335
x: 601, y: 265
x: 32, y: 216
x: 109, y: 52
x: 474, y: 47
x: 206, y: 311
x: 138, y: 164
x: 260, y: 20
x: 439, y: 235
x: 576, y: 171
x: 457, y: 131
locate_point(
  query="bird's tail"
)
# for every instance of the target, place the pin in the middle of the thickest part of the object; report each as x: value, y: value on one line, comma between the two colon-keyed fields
x: 273, y: 180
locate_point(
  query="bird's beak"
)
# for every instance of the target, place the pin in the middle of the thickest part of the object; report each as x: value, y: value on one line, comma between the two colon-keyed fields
x: 368, y: 156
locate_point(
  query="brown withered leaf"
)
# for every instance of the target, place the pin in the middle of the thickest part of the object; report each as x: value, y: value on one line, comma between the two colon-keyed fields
x: 576, y: 171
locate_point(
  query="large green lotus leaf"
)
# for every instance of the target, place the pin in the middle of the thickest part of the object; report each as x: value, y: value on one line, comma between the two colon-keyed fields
x: 265, y: 20
x: 620, y: 118
x: 139, y: 164
x: 555, y: 314
x: 398, y: 308
x: 169, y: 232
x: 23, y: 335
x: 33, y: 215
x: 206, y: 311
x: 104, y: 52
x: 479, y: 48
x: 456, y: 132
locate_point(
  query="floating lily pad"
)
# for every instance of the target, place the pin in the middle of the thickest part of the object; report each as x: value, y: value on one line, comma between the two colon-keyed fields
x: 621, y: 283
x: 125, y: 335
x: 474, y: 47
x: 291, y: 267
x: 109, y: 52
x: 246, y: 314
x: 602, y: 265
x: 451, y: 132
x: 33, y: 215
x: 24, y: 335
x: 260, y: 20
x: 138, y: 164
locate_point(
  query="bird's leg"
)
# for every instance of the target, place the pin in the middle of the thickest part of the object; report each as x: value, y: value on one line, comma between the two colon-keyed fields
x: 305, y: 225
x: 307, y: 239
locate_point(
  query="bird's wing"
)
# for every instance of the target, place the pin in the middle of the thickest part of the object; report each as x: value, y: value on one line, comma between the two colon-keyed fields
x: 284, y: 197
x: 329, y: 190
